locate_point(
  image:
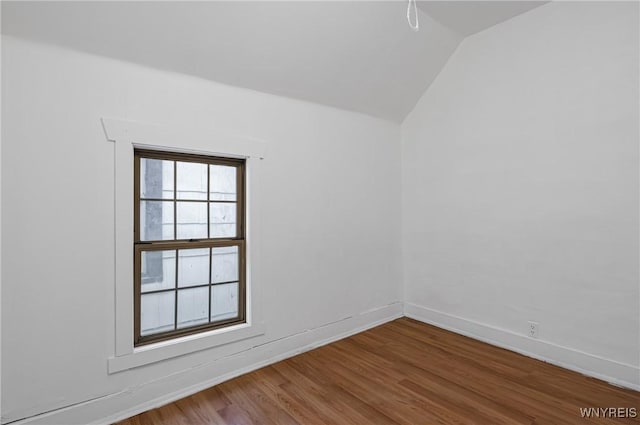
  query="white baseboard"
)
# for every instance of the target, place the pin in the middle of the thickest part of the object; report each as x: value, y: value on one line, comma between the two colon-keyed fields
x: 132, y: 401
x: 616, y: 373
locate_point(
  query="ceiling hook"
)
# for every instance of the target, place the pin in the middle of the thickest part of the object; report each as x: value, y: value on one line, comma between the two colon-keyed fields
x: 416, y: 26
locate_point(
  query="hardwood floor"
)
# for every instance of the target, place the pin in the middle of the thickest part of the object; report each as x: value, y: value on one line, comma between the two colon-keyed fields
x: 403, y: 372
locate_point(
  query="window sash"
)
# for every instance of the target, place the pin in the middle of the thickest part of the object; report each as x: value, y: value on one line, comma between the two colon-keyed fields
x: 176, y: 332
x: 239, y: 164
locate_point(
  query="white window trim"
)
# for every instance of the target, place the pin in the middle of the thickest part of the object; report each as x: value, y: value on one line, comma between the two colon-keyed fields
x: 129, y: 135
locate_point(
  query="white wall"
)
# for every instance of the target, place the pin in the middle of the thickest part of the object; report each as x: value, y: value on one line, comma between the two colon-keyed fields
x: 330, y: 237
x: 520, y: 188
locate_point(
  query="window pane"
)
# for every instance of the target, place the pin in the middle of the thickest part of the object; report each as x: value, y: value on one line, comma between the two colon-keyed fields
x: 192, y: 220
x: 157, y: 312
x: 156, y: 178
x: 224, y: 301
x: 223, y: 220
x: 156, y: 220
x: 193, y: 307
x: 193, y: 267
x: 191, y: 180
x: 222, y: 185
x: 158, y: 270
x: 224, y: 264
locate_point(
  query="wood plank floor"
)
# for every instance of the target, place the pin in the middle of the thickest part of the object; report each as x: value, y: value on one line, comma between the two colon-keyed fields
x: 403, y: 372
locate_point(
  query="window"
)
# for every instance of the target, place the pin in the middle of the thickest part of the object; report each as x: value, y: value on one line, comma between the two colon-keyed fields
x: 129, y: 138
x: 189, y: 244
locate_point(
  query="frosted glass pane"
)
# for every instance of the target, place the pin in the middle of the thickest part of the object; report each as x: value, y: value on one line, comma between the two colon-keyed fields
x: 157, y: 312
x: 192, y: 220
x: 156, y: 220
x: 158, y: 270
x: 222, y: 184
x: 193, y: 307
x: 224, y: 301
x: 156, y: 178
x: 224, y: 264
x: 191, y: 180
x: 193, y: 267
x: 223, y: 220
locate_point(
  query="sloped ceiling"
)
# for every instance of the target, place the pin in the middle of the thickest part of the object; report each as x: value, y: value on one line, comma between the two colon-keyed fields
x: 470, y: 17
x: 355, y: 55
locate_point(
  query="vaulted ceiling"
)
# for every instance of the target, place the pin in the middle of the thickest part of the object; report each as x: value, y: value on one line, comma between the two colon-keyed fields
x: 355, y: 55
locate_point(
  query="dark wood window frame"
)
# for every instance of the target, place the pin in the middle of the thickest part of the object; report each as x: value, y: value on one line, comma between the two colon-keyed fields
x: 177, y: 244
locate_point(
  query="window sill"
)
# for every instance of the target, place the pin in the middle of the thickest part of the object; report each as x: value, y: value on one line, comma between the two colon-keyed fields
x: 164, y: 350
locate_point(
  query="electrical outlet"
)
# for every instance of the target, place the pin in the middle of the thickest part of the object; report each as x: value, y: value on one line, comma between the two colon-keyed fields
x: 533, y: 329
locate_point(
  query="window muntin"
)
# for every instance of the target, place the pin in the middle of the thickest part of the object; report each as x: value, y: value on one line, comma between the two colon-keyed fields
x: 189, y: 244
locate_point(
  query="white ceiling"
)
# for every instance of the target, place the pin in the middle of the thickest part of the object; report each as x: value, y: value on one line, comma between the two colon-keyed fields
x: 354, y: 55
x: 470, y: 17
